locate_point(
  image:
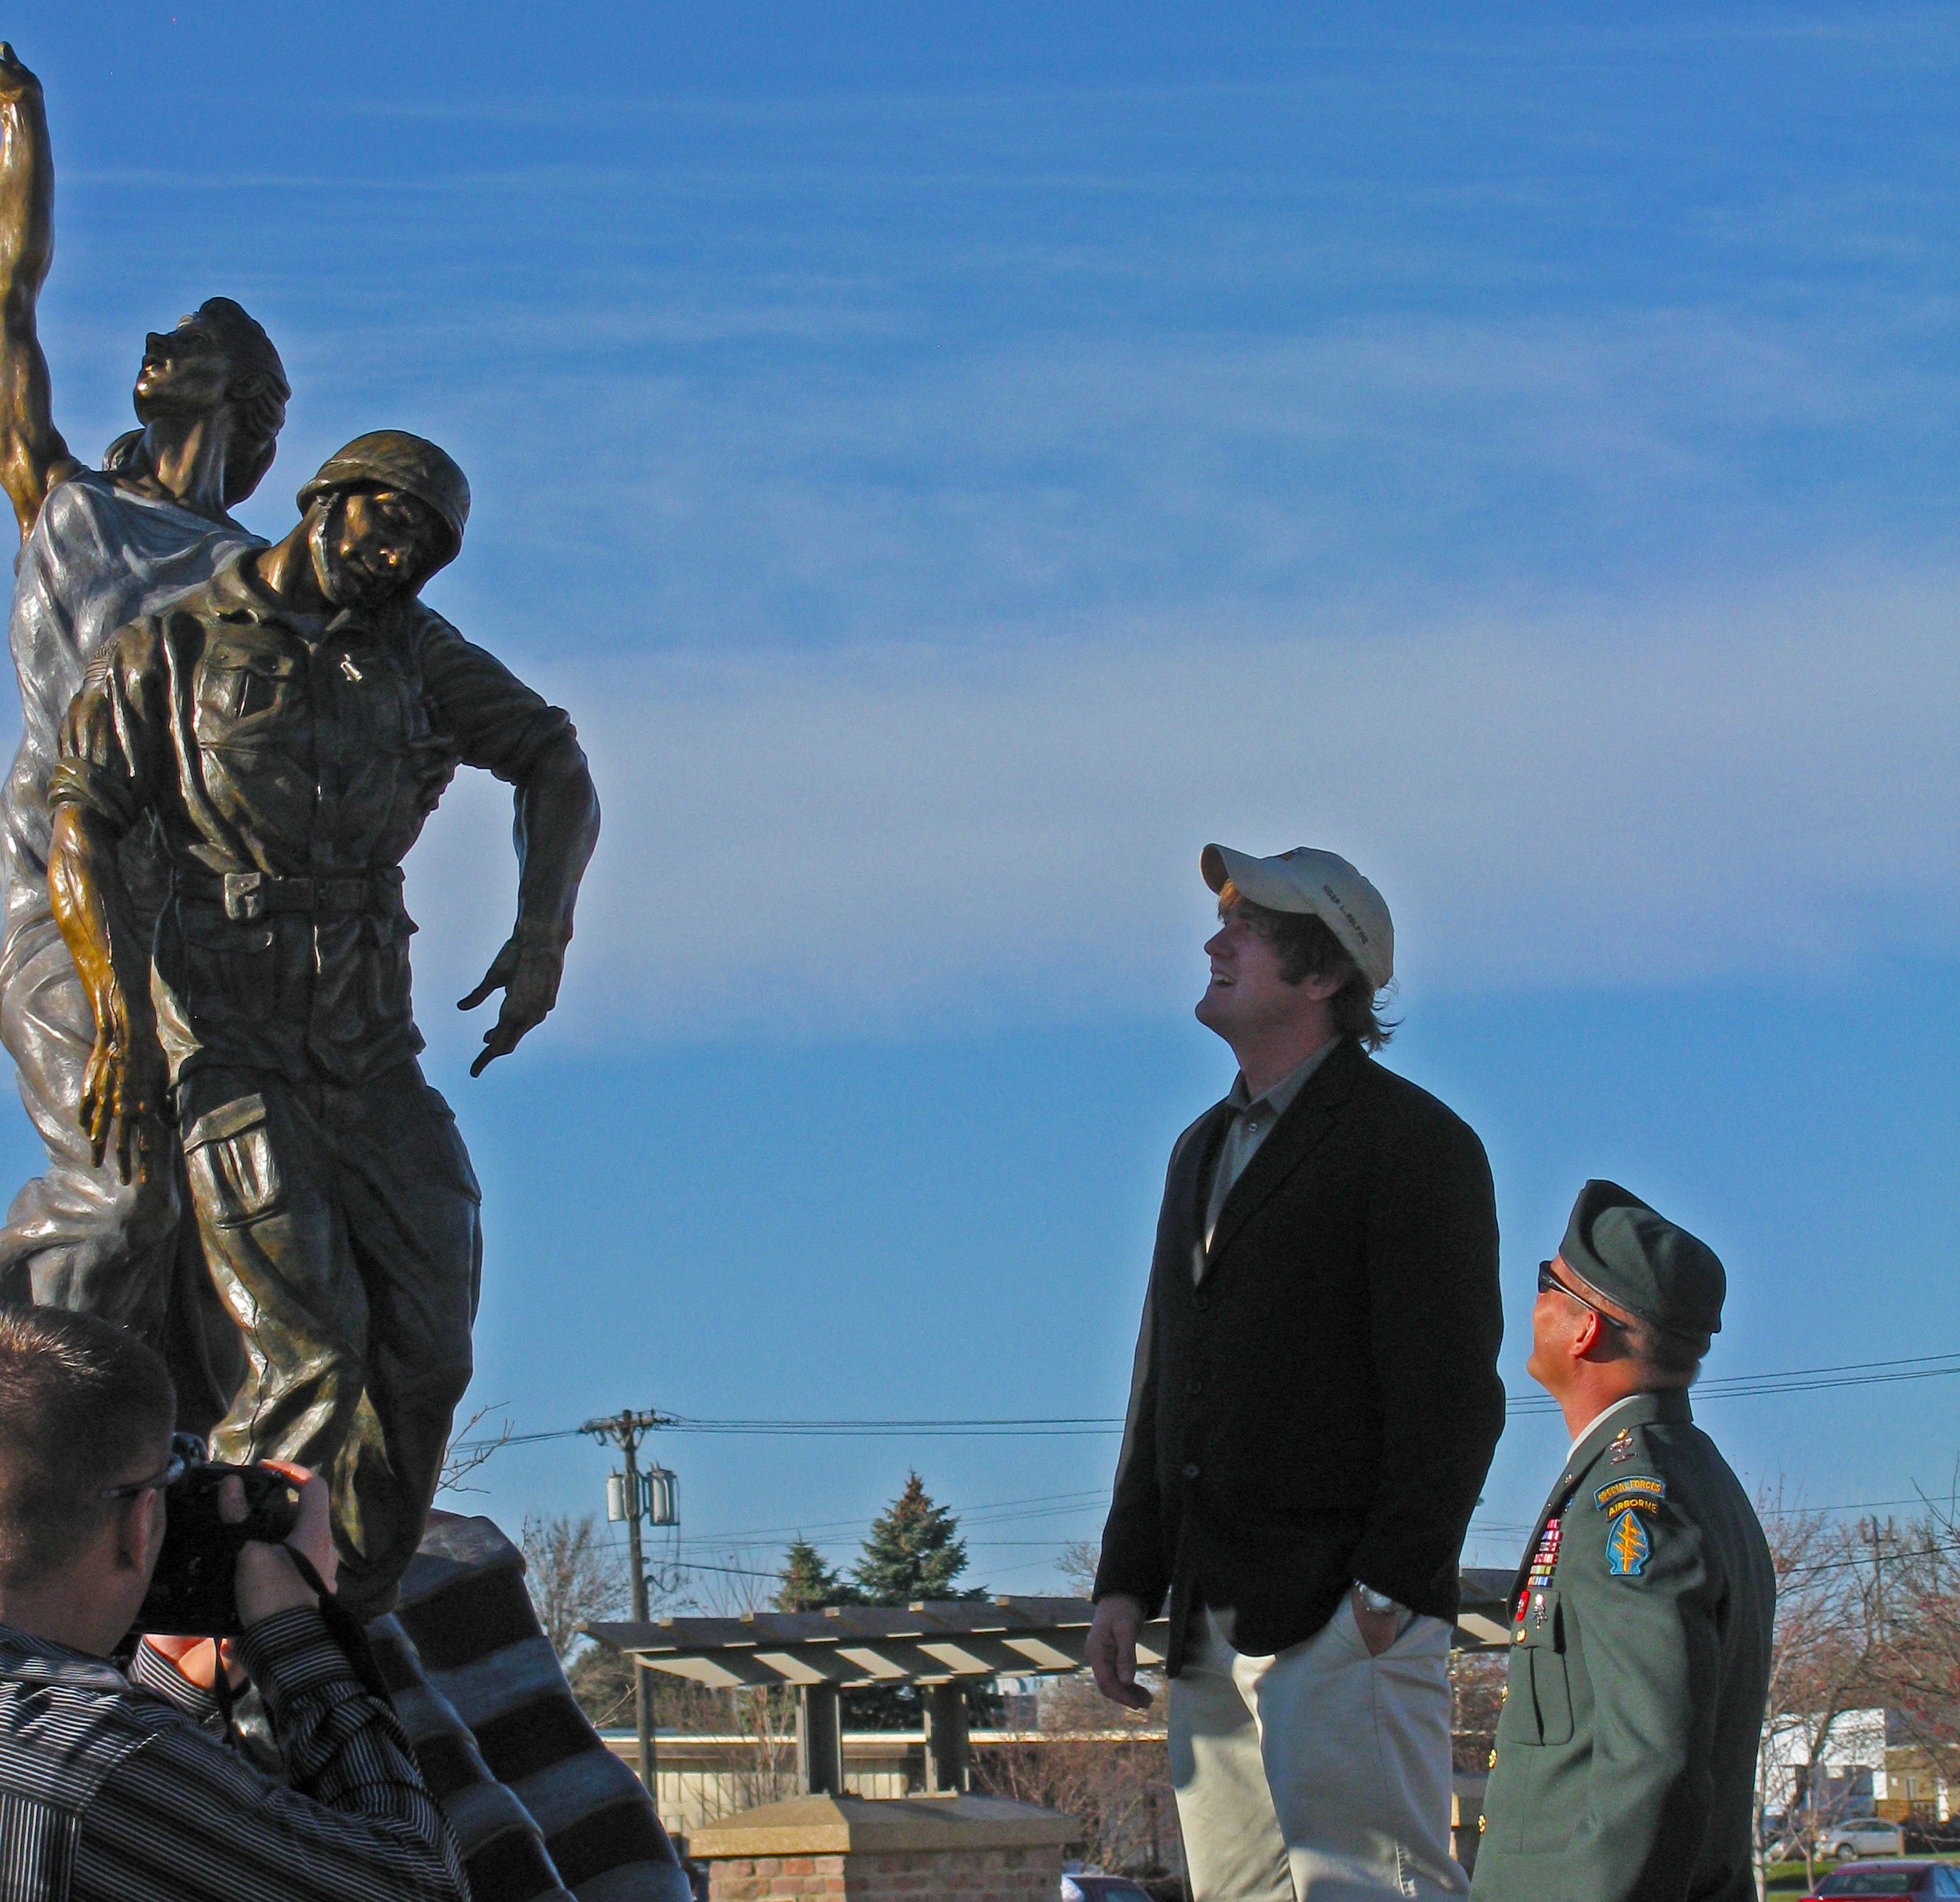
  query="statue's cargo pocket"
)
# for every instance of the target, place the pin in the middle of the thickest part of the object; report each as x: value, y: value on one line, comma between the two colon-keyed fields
x: 234, y: 1173
x: 229, y: 967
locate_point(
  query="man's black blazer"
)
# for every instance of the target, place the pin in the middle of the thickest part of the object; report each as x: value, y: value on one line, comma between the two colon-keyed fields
x: 1323, y: 1404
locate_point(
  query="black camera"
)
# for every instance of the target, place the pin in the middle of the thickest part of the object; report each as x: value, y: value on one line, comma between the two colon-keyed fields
x: 193, y: 1592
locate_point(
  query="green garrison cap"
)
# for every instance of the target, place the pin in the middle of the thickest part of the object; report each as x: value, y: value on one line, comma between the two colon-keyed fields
x: 1642, y: 1262
x: 393, y: 458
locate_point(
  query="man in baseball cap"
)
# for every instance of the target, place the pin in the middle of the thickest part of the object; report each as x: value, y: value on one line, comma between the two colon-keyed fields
x: 1641, y: 1616
x: 1320, y: 885
x: 1314, y: 1407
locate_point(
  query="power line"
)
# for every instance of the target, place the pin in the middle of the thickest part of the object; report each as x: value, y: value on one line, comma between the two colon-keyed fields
x: 1060, y: 1426
x: 997, y: 1512
x: 1792, y: 1380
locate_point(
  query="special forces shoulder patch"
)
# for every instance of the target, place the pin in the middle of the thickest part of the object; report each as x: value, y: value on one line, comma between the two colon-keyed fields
x: 1642, y: 1492
x: 1627, y: 1546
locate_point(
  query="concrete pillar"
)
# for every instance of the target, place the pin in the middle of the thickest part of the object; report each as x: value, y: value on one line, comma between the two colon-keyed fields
x: 819, y: 1740
x: 946, y: 1754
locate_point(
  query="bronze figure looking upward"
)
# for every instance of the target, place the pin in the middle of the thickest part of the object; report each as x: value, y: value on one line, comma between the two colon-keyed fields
x: 101, y: 548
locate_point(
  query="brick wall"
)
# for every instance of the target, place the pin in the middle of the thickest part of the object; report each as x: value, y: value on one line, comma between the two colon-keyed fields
x: 912, y: 1876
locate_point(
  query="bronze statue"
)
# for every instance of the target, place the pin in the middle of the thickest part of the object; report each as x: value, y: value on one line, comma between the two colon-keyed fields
x: 227, y: 866
x: 285, y: 730
x: 102, y: 548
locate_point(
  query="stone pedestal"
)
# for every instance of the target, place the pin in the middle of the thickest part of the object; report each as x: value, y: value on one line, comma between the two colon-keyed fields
x: 543, y: 1812
x: 861, y: 1849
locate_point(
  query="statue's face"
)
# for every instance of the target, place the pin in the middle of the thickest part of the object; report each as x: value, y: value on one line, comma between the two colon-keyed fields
x: 370, y: 544
x: 186, y: 372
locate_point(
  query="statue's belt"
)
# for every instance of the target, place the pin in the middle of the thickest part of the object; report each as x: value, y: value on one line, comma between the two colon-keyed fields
x: 248, y: 897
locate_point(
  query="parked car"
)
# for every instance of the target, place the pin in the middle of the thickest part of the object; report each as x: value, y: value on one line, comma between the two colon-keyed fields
x: 1888, y: 1879
x: 1864, y: 1835
x: 1102, y: 1888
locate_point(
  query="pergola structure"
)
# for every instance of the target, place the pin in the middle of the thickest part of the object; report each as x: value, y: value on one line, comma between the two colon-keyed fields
x: 938, y: 1647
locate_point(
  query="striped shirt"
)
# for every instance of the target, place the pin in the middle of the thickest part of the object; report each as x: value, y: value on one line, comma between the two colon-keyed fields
x: 111, y: 1789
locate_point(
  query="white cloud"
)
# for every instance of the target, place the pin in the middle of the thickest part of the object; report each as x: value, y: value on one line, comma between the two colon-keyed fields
x: 899, y: 839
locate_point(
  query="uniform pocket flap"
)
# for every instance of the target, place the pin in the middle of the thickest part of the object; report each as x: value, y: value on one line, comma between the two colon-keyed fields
x: 227, y: 1120
x: 251, y: 660
x: 1540, y: 1625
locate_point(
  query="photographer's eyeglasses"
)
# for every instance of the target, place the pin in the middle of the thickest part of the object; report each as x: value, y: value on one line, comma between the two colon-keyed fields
x: 185, y: 1449
x: 1550, y: 1283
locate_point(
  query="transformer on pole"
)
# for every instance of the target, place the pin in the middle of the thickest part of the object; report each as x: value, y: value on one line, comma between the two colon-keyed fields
x: 651, y: 1495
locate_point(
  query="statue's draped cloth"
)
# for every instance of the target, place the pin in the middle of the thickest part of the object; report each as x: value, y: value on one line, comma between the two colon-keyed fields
x: 78, y: 1238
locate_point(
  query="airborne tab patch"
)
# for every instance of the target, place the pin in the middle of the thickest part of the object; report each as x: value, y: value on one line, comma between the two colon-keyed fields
x: 1640, y: 1491
x: 1627, y: 1546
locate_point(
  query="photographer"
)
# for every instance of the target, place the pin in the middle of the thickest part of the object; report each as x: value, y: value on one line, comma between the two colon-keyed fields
x: 109, y: 1785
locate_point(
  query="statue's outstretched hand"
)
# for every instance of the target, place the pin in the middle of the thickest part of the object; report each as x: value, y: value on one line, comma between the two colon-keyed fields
x: 123, y: 1094
x: 16, y: 82
x: 527, y: 970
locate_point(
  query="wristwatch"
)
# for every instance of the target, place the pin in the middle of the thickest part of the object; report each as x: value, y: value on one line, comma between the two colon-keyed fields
x: 1371, y: 1600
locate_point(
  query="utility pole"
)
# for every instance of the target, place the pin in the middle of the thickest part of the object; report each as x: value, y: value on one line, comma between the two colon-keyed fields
x: 625, y: 1430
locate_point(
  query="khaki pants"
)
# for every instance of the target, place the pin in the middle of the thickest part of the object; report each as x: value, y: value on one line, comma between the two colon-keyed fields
x: 341, y: 1227
x: 1321, y: 1774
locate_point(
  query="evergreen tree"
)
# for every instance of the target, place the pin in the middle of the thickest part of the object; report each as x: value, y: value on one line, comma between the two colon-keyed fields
x: 807, y: 1584
x: 914, y: 1556
x: 915, y: 1553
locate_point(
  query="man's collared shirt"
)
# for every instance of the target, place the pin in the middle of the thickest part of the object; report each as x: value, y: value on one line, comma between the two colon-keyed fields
x: 112, y: 1791
x: 271, y: 752
x: 1599, y: 1419
x: 1252, y: 1120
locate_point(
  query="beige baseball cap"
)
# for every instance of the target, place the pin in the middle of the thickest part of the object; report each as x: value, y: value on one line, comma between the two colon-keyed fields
x: 1322, y: 883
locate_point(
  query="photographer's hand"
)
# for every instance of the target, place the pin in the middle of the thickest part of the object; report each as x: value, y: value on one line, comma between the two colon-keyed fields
x: 268, y: 1581
x: 195, y: 1660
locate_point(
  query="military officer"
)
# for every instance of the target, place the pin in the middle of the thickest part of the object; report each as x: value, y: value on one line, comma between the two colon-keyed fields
x: 286, y: 728
x: 1625, y: 1764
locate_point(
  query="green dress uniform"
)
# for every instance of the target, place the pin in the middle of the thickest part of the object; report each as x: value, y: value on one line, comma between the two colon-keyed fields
x: 1625, y: 1765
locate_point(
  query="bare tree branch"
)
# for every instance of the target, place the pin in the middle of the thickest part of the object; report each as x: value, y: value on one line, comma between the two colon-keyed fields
x: 464, y: 1454
x: 575, y: 1575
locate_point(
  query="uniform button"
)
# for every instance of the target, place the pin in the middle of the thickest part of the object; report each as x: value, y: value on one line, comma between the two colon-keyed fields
x: 1190, y: 1469
x: 1482, y: 1825
x: 1493, y: 1760
x: 1194, y: 1386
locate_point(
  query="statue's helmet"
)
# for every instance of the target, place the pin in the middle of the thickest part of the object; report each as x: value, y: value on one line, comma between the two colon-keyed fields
x: 392, y: 459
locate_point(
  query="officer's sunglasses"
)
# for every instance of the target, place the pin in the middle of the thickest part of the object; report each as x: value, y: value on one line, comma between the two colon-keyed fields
x: 187, y: 1449
x: 1550, y: 1283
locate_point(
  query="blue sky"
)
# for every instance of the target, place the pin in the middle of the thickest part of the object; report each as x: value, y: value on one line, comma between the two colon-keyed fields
x: 954, y: 462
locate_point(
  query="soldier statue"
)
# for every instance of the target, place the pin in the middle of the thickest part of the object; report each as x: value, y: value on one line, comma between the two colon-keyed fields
x: 262, y: 733
x: 98, y: 549
x: 283, y: 731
